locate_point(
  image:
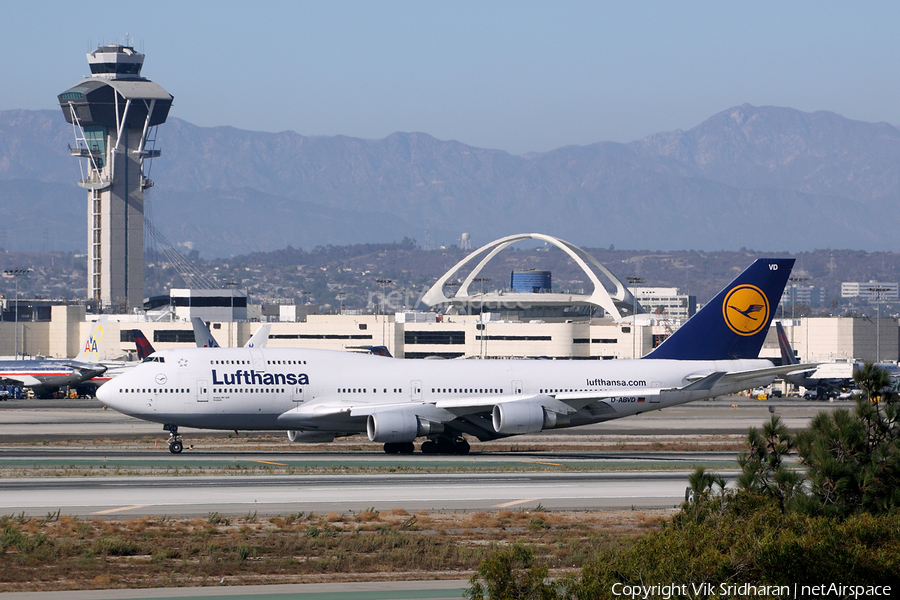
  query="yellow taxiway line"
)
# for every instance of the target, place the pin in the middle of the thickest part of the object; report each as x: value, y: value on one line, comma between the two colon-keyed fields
x: 514, y: 502
x: 120, y: 509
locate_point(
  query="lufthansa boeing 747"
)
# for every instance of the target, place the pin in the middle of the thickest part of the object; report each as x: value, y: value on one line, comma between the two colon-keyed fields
x: 317, y: 395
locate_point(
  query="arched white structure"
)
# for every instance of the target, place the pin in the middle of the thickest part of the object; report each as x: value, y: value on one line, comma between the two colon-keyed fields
x: 611, y: 303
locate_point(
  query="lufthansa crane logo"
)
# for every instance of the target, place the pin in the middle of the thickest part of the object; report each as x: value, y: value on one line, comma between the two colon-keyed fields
x: 746, y: 310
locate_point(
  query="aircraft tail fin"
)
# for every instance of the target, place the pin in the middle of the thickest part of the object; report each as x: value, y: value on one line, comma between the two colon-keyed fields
x: 735, y: 323
x: 90, y: 350
x: 202, y: 335
x: 787, y: 353
x: 144, y: 348
x: 260, y: 338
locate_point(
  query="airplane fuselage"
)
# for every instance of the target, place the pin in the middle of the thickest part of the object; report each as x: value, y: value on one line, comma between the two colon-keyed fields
x: 272, y: 388
x: 49, y: 373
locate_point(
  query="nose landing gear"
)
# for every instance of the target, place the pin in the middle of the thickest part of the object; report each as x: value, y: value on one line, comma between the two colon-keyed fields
x: 175, y: 444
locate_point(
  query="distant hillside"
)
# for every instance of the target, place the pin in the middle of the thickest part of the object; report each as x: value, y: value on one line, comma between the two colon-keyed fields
x: 353, y: 271
x: 766, y: 178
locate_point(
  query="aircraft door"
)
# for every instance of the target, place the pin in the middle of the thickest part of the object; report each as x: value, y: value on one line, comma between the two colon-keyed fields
x: 516, y: 387
x: 297, y: 394
x: 415, y: 390
x: 202, y: 390
x: 259, y: 361
x: 655, y: 397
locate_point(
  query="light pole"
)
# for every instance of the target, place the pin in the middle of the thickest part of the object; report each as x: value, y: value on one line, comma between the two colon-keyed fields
x: 383, y: 283
x: 483, y: 280
x: 340, y: 297
x: 634, y: 281
x: 231, y: 285
x: 15, y: 274
x: 877, y: 291
x: 304, y: 295
x: 794, y: 281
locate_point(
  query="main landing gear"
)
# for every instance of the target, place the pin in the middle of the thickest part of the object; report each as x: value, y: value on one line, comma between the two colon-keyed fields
x: 399, y: 448
x: 439, y: 445
x: 175, y: 445
x: 445, y: 445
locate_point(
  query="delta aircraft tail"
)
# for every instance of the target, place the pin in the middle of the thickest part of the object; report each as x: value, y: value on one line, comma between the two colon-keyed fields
x: 787, y: 353
x: 144, y: 349
x: 734, y: 324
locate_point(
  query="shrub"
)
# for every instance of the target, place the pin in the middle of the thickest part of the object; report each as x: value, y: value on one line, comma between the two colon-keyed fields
x: 511, y: 574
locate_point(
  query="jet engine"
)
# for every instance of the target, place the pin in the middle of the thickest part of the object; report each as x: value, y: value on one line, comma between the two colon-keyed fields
x: 310, y: 437
x: 399, y: 426
x: 521, y: 417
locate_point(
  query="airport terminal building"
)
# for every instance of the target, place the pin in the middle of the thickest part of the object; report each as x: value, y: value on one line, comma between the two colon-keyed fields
x: 609, y: 321
x: 433, y: 335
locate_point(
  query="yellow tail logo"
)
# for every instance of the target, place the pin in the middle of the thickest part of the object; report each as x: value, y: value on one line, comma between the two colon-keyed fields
x: 746, y: 310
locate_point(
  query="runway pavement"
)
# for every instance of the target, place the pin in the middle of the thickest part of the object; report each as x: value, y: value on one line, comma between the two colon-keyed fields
x: 284, y: 494
x: 557, y: 480
x: 53, y: 420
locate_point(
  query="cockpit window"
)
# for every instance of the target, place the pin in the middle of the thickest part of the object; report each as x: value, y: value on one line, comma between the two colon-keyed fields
x: 157, y: 359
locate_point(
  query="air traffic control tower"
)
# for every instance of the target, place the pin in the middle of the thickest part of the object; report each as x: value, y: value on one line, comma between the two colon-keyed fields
x: 114, y: 114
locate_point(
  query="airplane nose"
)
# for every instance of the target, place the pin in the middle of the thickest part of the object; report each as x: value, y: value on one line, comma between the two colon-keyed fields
x: 104, y: 393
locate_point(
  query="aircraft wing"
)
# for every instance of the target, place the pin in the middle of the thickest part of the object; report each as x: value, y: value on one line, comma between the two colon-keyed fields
x: 22, y: 380
x: 484, y: 416
x: 331, y: 408
x: 461, y: 406
x: 445, y: 410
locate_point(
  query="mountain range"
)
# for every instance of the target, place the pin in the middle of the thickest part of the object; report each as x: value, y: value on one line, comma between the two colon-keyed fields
x: 766, y: 178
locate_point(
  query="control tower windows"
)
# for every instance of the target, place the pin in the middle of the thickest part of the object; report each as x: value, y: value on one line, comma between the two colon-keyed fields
x: 117, y: 68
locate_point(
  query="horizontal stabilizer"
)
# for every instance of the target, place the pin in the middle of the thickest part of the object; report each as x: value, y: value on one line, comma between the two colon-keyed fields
x: 707, y: 383
x: 738, y: 376
x: 88, y: 370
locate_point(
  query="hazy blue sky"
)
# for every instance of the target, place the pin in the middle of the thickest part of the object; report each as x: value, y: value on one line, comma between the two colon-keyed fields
x: 519, y: 76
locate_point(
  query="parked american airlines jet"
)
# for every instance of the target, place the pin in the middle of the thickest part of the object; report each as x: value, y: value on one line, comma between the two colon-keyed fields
x: 317, y: 395
x: 46, y: 376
